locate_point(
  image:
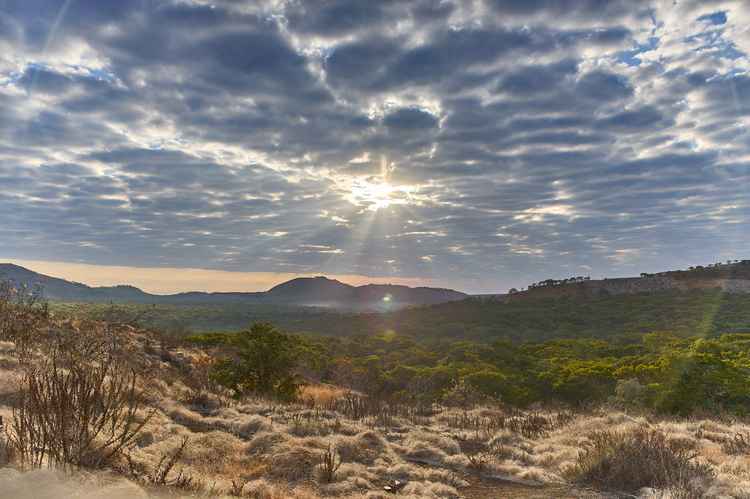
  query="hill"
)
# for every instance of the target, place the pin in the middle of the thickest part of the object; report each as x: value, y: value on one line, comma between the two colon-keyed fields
x: 317, y: 291
x: 55, y: 288
x: 324, y: 292
x: 699, y: 311
x: 730, y: 277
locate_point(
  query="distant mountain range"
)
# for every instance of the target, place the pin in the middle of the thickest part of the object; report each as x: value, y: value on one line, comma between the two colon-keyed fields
x: 303, y: 291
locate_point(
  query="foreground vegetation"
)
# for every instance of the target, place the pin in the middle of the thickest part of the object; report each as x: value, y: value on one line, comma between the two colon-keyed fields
x: 267, y: 414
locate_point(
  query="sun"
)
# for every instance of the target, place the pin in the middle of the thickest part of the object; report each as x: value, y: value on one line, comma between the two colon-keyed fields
x: 375, y: 195
x: 378, y: 194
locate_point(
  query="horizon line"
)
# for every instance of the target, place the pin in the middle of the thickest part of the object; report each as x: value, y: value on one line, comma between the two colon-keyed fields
x: 152, y: 280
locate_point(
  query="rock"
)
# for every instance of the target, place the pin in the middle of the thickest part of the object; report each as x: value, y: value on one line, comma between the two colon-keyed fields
x: 394, y: 486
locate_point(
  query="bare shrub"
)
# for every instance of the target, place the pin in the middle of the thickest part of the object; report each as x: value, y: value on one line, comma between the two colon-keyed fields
x: 7, y: 453
x: 22, y: 313
x: 329, y: 463
x: 237, y: 487
x: 533, y: 424
x: 379, y: 412
x: 631, y: 460
x: 77, y: 404
x: 160, y: 473
x: 463, y: 395
x: 479, y: 461
x: 737, y: 445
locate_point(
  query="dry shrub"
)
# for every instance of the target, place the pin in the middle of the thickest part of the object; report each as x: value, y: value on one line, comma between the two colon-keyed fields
x: 329, y: 463
x: 7, y: 453
x: 159, y: 474
x: 737, y: 445
x: 631, y: 460
x: 203, y: 402
x: 532, y: 425
x: 23, y: 312
x: 78, y: 404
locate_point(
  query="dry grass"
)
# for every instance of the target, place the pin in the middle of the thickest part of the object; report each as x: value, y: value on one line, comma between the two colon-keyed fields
x: 321, y: 395
x: 335, y: 443
x: 639, y: 458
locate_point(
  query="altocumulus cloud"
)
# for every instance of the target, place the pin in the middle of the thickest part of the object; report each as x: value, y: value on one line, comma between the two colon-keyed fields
x: 501, y: 141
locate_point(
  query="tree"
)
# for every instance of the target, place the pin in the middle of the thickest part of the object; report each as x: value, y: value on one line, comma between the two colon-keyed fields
x: 263, y: 363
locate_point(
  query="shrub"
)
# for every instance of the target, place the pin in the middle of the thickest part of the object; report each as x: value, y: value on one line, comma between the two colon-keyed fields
x: 159, y: 474
x: 631, y: 392
x: 6, y: 450
x: 631, y: 460
x: 737, y: 445
x: 329, y: 463
x: 22, y: 314
x: 463, y: 394
x: 77, y: 404
x: 263, y: 363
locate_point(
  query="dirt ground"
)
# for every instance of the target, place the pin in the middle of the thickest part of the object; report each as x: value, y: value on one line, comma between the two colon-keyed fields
x: 480, y: 488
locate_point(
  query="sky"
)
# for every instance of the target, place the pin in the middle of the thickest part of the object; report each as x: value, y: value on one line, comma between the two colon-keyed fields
x: 476, y: 144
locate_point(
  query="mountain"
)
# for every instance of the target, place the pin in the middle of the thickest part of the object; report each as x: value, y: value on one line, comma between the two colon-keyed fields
x: 303, y: 291
x: 323, y: 292
x: 311, y: 290
x: 60, y: 289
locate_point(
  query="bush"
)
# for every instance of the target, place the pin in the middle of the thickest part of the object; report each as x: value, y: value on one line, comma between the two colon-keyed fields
x: 328, y: 464
x: 263, y: 363
x: 77, y: 404
x: 629, y: 461
x: 630, y: 392
x: 22, y: 314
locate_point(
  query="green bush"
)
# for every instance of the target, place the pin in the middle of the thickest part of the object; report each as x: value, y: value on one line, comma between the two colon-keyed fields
x: 631, y: 393
x: 262, y: 361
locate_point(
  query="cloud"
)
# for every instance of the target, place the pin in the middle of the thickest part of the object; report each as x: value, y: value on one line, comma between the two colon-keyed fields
x: 637, y: 119
x: 538, y: 79
x: 410, y: 119
x: 604, y: 86
x: 176, y: 134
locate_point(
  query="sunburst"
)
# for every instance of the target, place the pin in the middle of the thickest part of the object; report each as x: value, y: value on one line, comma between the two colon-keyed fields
x: 378, y: 194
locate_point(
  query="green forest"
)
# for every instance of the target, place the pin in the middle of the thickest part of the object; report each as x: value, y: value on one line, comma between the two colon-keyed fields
x: 700, y: 312
x: 659, y: 371
x: 669, y: 352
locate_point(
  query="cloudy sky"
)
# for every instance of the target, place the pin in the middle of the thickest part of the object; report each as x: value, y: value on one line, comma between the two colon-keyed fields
x: 465, y: 143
